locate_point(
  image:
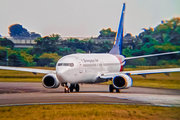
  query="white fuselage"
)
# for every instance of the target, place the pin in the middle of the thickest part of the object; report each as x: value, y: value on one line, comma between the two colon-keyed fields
x: 85, y: 68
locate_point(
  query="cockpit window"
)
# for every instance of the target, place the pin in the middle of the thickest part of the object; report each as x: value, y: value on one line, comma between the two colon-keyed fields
x: 66, y: 64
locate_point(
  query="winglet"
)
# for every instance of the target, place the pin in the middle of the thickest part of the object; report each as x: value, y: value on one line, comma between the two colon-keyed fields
x: 117, y: 48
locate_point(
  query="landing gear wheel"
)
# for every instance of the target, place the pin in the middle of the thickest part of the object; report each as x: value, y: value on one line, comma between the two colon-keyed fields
x: 117, y: 90
x: 71, y: 87
x: 66, y: 90
x: 111, y: 88
x: 77, y: 88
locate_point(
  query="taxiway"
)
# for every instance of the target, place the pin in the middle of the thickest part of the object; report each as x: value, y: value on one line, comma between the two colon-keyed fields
x: 13, y: 93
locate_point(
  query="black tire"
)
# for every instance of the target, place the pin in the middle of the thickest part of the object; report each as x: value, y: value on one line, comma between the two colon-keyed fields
x: 117, y: 90
x: 77, y: 87
x: 71, y: 87
x: 111, y: 88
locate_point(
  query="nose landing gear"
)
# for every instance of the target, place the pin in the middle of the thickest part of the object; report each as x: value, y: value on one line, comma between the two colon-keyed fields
x: 70, y: 87
x: 66, y: 90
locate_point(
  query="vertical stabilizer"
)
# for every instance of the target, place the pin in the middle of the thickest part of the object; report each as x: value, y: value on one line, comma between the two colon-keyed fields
x: 117, y: 48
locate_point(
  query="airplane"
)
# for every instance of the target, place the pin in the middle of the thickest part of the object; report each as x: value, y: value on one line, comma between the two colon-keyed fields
x: 75, y: 69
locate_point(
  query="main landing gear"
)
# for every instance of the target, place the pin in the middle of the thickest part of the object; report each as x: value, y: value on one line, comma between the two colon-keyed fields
x: 111, y: 89
x: 71, y: 87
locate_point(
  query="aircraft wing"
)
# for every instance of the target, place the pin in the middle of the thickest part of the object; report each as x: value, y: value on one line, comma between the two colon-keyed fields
x: 28, y: 70
x: 140, y: 72
x: 143, y: 56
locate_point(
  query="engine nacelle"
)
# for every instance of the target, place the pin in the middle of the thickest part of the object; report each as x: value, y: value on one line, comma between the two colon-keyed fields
x: 122, y: 81
x: 50, y: 81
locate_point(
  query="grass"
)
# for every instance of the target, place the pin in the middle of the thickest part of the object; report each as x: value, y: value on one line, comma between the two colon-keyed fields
x: 158, y: 81
x: 153, y: 80
x: 19, y: 76
x: 89, y: 112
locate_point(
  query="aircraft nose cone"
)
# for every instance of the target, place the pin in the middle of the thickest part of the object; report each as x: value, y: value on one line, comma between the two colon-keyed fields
x: 60, y: 73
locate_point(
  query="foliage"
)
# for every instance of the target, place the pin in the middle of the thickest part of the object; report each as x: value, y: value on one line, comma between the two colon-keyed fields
x: 15, y: 57
x: 54, y: 56
x: 15, y: 60
x: 107, y: 33
x: 74, y: 45
x: 18, y: 32
x: 27, y: 59
x: 34, y: 35
x: 80, y: 51
x: 64, y: 51
x: 167, y: 63
x: 48, y: 59
x: 164, y: 38
x: 44, y: 62
x: 137, y: 62
x: 46, y: 44
x: 6, y: 42
x: 2, y: 48
x: 3, y: 53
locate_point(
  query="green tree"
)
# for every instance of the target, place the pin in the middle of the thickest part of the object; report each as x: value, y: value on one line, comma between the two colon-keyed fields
x: 107, y: 33
x: 64, y: 51
x: 17, y: 31
x: 3, y: 54
x: 53, y: 56
x: 48, y: 59
x: 46, y: 44
x: 6, y: 42
x: 80, y: 51
x: 44, y: 62
x: 15, y: 60
x: 27, y: 59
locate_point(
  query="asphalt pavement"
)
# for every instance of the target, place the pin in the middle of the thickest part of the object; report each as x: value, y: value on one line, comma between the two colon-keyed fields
x: 20, y: 93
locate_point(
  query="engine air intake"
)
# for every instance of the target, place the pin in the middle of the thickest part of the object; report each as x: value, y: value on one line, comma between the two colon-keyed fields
x: 50, y: 81
x: 122, y: 81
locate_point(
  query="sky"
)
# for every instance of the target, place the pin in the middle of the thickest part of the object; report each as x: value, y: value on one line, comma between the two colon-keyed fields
x: 84, y: 18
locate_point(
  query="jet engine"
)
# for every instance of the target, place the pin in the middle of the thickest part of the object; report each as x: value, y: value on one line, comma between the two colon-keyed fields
x: 50, y: 81
x: 122, y: 81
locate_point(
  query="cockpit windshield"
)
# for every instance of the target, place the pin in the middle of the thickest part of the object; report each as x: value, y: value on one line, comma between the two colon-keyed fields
x: 66, y: 64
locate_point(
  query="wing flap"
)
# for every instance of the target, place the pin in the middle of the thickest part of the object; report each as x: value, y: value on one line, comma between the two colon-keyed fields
x: 28, y: 70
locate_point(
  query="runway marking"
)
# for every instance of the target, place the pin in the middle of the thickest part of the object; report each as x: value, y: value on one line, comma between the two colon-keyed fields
x: 172, y: 100
x: 154, y: 99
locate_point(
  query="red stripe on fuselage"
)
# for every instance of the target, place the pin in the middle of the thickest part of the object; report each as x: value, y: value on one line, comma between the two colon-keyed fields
x: 120, y: 61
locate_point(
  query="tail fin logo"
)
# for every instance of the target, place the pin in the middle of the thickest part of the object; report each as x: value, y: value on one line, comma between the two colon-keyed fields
x: 117, y: 48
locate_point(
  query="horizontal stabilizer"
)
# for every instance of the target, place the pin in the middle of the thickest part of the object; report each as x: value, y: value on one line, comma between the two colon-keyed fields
x: 143, y: 56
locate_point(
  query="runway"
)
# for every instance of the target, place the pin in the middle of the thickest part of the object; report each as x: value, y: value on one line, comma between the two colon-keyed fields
x: 13, y: 93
